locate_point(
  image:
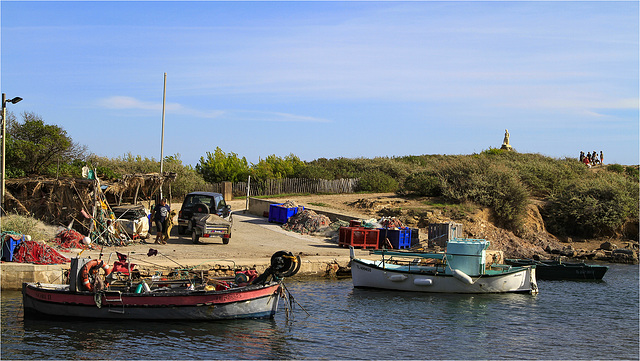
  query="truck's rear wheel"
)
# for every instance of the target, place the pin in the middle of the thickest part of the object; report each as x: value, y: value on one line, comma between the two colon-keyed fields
x: 225, y: 240
x: 195, y: 237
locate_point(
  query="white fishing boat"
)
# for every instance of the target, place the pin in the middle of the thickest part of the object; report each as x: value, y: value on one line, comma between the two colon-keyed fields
x: 461, y: 268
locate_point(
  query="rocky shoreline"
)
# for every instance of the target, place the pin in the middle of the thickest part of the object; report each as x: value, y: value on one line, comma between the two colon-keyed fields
x: 608, y: 252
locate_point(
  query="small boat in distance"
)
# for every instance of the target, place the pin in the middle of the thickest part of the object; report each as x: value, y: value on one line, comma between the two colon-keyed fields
x: 185, y: 297
x: 461, y: 268
x: 558, y: 270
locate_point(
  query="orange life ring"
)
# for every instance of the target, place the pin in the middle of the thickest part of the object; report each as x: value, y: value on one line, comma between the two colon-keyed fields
x: 93, y: 267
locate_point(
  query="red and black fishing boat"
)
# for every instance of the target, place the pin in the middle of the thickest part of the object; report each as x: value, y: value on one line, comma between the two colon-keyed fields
x: 89, y: 295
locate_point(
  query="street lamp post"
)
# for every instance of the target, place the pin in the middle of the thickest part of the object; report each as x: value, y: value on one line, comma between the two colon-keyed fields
x: 4, y: 138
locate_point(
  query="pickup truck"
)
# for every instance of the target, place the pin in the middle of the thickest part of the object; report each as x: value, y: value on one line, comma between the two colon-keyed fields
x: 205, y: 215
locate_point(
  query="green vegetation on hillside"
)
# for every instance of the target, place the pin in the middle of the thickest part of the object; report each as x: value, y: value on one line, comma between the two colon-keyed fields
x: 580, y: 201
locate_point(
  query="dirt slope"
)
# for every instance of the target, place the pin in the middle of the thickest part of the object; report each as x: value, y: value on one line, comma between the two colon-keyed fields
x: 477, y: 223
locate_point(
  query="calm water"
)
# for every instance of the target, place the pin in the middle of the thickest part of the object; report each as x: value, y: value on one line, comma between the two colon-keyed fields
x: 567, y: 320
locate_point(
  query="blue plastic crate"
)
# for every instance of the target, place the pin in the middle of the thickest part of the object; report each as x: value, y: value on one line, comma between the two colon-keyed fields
x: 280, y: 214
x: 399, y: 238
x: 9, y: 246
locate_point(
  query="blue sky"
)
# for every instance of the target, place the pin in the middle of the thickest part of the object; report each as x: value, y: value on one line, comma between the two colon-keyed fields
x: 329, y: 79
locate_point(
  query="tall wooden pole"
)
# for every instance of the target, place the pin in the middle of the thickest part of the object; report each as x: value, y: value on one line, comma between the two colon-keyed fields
x: 164, y: 98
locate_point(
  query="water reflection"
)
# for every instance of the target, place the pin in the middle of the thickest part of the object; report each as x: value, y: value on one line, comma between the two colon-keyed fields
x: 34, y: 338
x: 348, y: 323
x: 247, y: 339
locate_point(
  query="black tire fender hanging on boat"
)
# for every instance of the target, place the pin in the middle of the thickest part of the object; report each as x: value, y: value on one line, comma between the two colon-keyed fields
x: 284, y: 264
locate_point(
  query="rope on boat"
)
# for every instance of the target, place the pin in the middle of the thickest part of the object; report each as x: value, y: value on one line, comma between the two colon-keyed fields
x: 291, y: 299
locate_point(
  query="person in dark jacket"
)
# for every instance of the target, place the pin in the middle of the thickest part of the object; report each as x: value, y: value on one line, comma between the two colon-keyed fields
x: 160, y: 214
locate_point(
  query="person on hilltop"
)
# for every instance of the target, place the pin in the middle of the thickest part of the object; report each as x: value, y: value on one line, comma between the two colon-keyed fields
x: 159, y: 215
x: 601, y: 158
x: 586, y: 161
x: 581, y: 156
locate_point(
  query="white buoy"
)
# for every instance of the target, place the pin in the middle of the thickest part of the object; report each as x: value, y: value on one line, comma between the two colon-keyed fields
x: 423, y: 281
x: 397, y: 278
x: 462, y: 277
x: 86, y: 241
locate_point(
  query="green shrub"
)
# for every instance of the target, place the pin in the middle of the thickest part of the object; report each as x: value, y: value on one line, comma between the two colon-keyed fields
x: 545, y: 176
x: 424, y: 184
x: 27, y: 225
x: 314, y: 172
x: 593, y: 207
x: 616, y: 168
x: 377, y: 181
x: 489, y: 184
x: 494, y: 151
x: 632, y: 172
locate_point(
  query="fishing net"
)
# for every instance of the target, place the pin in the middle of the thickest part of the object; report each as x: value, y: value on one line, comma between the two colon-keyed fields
x: 289, y: 204
x: 307, y: 221
x: 391, y: 222
x: 37, y: 253
x: 70, y: 238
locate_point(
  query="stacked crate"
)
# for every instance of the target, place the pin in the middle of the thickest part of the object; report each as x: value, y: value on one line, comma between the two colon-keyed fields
x: 358, y: 237
x: 399, y: 238
x: 280, y: 214
x: 9, y: 244
x: 441, y: 233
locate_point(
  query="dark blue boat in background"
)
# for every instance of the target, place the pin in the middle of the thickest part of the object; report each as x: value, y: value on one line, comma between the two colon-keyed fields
x: 558, y: 270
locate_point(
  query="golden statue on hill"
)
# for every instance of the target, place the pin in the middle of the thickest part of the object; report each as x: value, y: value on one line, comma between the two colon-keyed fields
x: 505, y: 142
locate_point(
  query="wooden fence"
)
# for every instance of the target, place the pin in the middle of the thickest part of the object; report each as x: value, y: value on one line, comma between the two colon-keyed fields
x: 289, y: 185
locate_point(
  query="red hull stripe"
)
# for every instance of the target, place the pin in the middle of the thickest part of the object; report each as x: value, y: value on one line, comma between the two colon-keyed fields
x: 187, y: 298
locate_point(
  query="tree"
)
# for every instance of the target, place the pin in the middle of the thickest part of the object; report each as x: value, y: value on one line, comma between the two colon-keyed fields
x: 274, y: 167
x: 35, y: 148
x: 220, y: 167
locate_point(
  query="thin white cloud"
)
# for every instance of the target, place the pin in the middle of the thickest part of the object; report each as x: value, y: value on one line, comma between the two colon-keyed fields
x: 278, y: 117
x: 124, y: 102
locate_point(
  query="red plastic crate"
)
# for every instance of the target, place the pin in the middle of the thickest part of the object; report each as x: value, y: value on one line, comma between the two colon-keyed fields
x: 358, y: 237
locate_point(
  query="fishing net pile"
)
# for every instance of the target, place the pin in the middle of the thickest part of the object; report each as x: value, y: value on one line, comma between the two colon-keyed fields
x: 307, y: 222
x: 29, y: 251
x: 69, y: 238
x: 289, y: 204
x: 384, y: 222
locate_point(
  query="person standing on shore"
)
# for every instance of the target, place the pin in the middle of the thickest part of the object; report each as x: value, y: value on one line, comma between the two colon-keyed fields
x: 159, y: 216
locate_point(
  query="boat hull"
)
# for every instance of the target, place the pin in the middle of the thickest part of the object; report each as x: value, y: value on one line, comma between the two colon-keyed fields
x: 554, y: 270
x: 245, y: 302
x: 369, y: 274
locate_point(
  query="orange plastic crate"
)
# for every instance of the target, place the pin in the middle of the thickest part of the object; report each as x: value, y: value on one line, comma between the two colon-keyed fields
x: 358, y: 237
